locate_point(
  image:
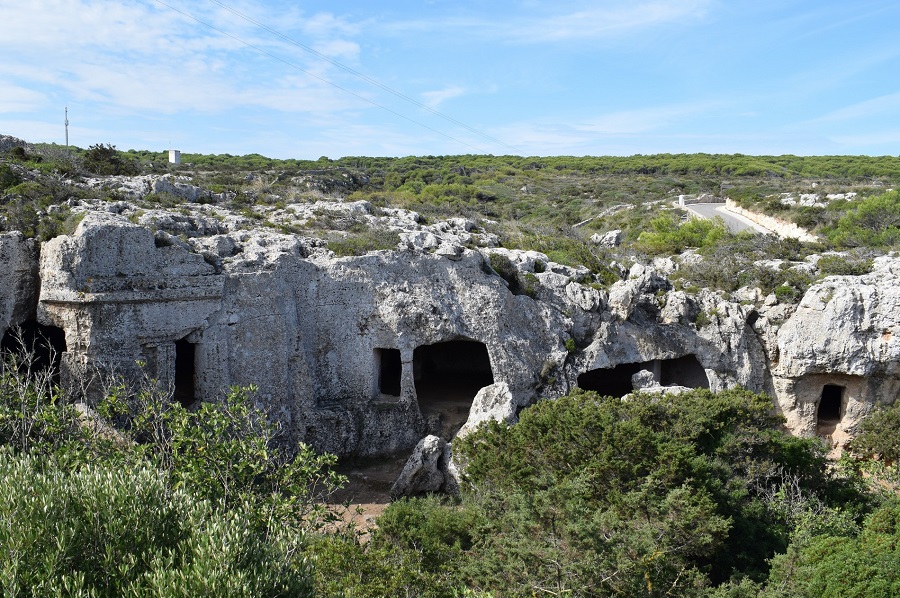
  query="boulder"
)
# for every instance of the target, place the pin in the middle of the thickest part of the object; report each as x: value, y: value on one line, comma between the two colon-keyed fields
x: 492, y: 403
x: 611, y: 238
x: 428, y: 470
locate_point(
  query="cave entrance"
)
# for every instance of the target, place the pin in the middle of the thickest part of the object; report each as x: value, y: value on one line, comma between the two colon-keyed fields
x: 448, y: 375
x: 616, y: 381
x: 683, y: 371
x: 388, y: 368
x: 831, y: 405
x: 36, y: 348
x: 185, y: 373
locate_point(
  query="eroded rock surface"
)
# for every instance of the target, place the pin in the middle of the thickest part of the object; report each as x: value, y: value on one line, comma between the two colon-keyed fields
x: 356, y: 355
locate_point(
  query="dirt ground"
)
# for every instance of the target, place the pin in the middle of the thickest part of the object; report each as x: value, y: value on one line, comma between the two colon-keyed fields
x: 368, y: 489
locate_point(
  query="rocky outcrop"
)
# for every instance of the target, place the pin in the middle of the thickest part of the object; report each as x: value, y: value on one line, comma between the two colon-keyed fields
x: 355, y: 354
x: 843, y: 340
x: 18, y: 280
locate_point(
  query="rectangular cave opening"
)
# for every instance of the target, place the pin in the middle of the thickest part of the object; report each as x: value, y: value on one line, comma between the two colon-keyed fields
x: 831, y: 405
x: 388, y: 368
x: 613, y: 382
x: 185, y: 373
x: 447, y: 376
x: 683, y: 371
x: 616, y: 381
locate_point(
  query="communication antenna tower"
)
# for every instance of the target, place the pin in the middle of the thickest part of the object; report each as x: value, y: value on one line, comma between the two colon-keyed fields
x: 67, y: 127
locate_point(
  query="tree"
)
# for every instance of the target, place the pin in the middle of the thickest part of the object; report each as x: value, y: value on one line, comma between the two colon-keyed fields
x: 107, y: 160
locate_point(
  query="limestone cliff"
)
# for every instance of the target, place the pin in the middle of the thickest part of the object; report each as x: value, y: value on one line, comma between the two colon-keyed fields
x: 367, y: 355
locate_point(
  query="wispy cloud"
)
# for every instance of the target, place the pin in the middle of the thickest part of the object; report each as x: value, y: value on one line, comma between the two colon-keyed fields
x: 433, y: 99
x: 630, y: 122
x: 18, y: 99
x: 588, y: 21
x: 606, y: 21
x: 139, y: 56
x: 887, y: 105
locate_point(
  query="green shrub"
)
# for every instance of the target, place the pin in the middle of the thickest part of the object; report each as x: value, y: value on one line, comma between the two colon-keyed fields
x: 668, y: 236
x: 111, y: 531
x: 434, y: 527
x: 879, y: 435
x: 107, y: 160
x: 833, y: 566
x: 363, y: 242
x: 786, y: 294
x: 647, y: 496
x: 872, y: 222
x: 842, y: 265
x: 8, y: 177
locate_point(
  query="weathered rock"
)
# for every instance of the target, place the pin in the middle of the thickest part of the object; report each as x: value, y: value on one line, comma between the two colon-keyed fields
x: 843, y: 335
x: 492, y: 403
x: 18, y: 280
x: 336, y: 345
x: 427, y: 470
x: 643, y: 379
x: 611, y: 238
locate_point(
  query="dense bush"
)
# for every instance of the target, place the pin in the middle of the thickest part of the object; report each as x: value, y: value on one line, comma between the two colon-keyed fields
x: 667, y: 235
x: 595, y: 496
x: 107, y: 160
x: 879, y: 435
x: 173, y: 502
x: 836, y: 566
x: 635, y: 497
x: 102, y: 530
x: 873, y: 222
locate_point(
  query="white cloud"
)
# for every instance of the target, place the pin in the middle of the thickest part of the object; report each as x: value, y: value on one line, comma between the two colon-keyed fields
x: 135, y: 56
x: 19, y: 99
x: 338, y: 49
x: 433, y: 99
x: 601, y: 22
x: 588, y: 22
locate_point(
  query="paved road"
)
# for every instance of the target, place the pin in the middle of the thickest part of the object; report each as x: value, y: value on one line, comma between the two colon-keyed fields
x: 734, y: 222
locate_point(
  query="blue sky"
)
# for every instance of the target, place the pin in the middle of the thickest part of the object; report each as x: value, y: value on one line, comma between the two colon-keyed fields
x: 528, y: 77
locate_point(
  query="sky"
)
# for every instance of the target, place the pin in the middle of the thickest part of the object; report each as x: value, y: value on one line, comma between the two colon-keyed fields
x: 305, y: 79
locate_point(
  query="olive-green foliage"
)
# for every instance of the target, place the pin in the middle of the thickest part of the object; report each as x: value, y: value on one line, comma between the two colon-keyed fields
x: 879, y: 435
x: 872, y: 222
x: 175, y: 502
x: 102, y: 530
x: 8, y: 177
x: 437, y: 529
x: 843, y: 265
x: 729, y: 264
x: 667, y: 235
x: 107, y: 160
x: 595, y: 496
x: 227, y: 451
x: 32, y: 208
x: 654, y: 495
x: 344, y: 568
x: 838, y: 566
x: 364, y: 242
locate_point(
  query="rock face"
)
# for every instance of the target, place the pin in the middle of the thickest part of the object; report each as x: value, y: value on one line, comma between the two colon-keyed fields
x: 18, y: 279
x: 838, y: 355
x: 367, y: 355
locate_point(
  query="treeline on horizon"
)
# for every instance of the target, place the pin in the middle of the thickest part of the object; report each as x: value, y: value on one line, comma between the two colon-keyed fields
x: 736, y: 165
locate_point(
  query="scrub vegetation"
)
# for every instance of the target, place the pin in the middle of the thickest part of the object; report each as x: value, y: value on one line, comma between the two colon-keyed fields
x: 700, y: 494
x: 697, y: 495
